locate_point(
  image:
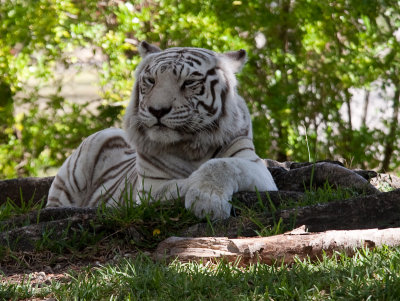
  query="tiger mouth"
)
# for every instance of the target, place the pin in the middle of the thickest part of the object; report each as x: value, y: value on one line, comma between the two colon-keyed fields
x: 160, y: 126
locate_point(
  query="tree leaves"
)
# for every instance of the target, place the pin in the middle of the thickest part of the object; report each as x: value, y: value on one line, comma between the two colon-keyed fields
x: 305, y: 58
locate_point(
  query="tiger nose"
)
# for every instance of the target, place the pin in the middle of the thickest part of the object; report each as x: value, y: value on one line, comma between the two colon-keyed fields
x: 158, y: 113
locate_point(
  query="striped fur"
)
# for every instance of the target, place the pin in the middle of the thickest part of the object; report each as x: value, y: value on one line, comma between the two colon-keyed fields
x: 187, y: 133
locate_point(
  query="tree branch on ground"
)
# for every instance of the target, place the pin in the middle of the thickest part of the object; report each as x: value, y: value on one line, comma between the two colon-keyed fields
x: 274, y: 249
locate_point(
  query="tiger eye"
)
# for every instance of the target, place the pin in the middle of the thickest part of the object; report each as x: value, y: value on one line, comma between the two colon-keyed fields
x: 150, y: 80
x: 187, y: 83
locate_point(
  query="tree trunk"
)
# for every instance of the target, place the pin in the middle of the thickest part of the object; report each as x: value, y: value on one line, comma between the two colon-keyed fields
x: 365, y: 109
x: 392, y: 136
x: 275, y: 249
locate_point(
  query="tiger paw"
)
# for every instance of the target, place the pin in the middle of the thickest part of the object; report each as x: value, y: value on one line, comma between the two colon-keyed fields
x: 208, y: 199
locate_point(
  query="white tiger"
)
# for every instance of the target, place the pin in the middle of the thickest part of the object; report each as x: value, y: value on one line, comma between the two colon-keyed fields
x: 187, y: 133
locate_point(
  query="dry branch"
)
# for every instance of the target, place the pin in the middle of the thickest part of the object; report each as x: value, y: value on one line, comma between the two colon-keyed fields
x: 274, y: 249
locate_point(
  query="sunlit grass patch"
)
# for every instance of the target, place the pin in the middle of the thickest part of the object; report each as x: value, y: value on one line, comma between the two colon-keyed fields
x: 368, y: 275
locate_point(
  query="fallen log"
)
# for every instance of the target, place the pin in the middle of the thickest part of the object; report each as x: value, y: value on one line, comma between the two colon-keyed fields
x: 21, y: 190
x: 275, y: 249
x: 380, y: 210
x: 26, y: 232
x: 300, y: 176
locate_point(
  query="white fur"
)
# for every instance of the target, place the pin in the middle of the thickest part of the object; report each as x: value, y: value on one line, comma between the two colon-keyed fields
x: 208, y: 184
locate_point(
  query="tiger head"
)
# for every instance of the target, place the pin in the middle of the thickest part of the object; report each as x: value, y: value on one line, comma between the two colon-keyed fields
x: 185, y: 99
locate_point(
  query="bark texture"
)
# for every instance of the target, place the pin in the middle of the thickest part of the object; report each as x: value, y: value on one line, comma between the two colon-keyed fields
x: 25, y: 189
x: 299, y: 176
x: 25, y: 232
x: 275, y: 249
x: 365, y: 212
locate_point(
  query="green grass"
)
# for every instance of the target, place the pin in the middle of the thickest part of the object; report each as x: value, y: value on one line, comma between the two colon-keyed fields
x: 322, y: 195
x: 10, y: 208
x: 369, y: 275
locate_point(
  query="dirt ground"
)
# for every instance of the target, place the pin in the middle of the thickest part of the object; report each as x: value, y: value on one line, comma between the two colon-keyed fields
x: 43, y: 267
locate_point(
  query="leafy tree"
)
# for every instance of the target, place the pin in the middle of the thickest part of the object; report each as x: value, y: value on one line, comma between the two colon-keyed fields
x: 305, y: 57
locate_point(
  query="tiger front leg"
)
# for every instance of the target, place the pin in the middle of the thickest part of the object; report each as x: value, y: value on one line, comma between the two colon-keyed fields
x: 210, y: 188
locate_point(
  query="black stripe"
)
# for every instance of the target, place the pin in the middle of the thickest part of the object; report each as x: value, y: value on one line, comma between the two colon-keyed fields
x: 111, y: 143
x: 130, y: 152
x: 162, y: 166
x: 212, y: 85
x: 204, y: 55
x: 208, y: 108
x: 216, y: 152
x: 74, y: 169
x: 154, y: 178
x: 54, y: 200
x: 163, y: 67
x: 170, y: 60
x: 223, y: 104
x: 102, y: 178
x: 110, y: 190
x: 189, y: 63
x: 192, y: 59
x: 130, y: 184
x: 108, y: 194
x: 201, y: 92
x: 180, y: 72
x: 136, y: 106
x: 211, y: 72
x: 60, y: 185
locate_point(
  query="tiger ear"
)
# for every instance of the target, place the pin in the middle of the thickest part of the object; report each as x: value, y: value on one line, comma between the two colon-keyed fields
x: 146, y: 49
x: 236, y: 59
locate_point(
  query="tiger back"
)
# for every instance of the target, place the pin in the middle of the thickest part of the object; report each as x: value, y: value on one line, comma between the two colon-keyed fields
x: 187, y: 133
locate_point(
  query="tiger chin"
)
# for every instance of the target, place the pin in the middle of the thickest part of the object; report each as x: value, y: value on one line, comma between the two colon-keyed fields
x: 187, y: 133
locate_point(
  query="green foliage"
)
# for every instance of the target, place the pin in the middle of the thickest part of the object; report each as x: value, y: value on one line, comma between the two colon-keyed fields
x: 304, y: 59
